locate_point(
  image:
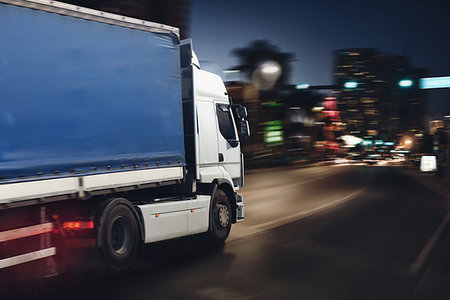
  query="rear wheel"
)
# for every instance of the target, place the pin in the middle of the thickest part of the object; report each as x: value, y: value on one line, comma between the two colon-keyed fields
x: 119, y: 234
x: 220, y: 217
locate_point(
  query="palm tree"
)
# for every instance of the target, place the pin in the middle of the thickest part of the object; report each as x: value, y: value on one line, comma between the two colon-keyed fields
x: 261, y: 56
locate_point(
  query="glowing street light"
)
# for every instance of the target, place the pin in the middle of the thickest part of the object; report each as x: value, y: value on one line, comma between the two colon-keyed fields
x: 270, y: 67
x: 266, y: 75
x: 407, y: 142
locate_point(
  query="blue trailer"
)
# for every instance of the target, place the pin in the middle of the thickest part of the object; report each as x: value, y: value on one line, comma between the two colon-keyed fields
x: 84, y: 97
x: 110, y: 136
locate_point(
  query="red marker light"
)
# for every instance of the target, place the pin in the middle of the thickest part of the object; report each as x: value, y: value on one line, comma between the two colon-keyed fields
x: 77, y: 225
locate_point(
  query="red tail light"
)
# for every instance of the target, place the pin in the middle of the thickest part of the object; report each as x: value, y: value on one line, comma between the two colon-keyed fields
x: 78, y: 225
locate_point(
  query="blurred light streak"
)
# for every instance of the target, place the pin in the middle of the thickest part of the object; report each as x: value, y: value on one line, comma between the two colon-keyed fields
x: 435, y: 82
x: 351, y: 140
x: 231, y: 71
x: 317, y: 108
x: 405, y: 83
x: 350, y: 84
x: 302, y: 86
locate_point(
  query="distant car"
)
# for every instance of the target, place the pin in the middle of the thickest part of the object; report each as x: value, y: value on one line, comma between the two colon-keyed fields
x: 428, y: 163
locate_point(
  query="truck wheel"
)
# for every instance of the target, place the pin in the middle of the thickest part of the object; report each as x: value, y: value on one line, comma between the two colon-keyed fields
x: 220, y: 217
x: 119, y: 234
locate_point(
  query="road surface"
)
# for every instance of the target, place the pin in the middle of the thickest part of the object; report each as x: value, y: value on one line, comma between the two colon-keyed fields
x: 324, y: 232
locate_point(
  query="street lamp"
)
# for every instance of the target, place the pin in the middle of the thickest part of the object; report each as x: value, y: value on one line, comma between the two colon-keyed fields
x: 407, y: 142
x: 266, y: 75
x: 271, y: 67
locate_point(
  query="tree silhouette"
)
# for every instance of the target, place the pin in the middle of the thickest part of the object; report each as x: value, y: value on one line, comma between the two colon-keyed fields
x: 252, y: 57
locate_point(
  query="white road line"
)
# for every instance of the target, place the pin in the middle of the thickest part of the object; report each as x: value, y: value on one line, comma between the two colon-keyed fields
x: 420, y: 260
x: 320, y: 177
x: 309, y: 212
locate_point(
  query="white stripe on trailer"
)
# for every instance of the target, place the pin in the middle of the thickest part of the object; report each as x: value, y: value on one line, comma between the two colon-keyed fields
x: 10, y: 192
x: 25, y: 232
x: 24, y: 258
x: 122, y: 179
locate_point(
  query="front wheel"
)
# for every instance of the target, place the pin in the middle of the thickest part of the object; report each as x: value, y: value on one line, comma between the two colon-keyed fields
x: 220, y: 217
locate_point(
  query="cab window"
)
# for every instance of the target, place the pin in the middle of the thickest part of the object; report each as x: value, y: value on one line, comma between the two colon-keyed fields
x: 225, y: 122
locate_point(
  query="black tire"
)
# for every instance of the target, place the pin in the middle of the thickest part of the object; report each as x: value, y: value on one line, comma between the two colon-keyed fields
x: 219, y: 217
x: 119, y: 234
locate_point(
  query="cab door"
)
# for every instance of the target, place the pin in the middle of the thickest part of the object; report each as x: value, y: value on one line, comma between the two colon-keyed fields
x: 228, y: 143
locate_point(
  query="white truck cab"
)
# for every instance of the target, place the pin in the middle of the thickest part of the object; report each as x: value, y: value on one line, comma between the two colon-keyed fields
x: 219, y: 153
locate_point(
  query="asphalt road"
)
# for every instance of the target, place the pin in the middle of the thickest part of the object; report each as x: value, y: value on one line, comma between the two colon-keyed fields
x: 328, y: 232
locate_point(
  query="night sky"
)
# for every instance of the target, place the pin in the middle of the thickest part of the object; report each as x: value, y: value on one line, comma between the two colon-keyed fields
x: 312, y: 30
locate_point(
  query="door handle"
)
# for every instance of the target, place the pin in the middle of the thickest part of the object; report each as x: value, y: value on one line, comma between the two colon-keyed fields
x: 221, y: 157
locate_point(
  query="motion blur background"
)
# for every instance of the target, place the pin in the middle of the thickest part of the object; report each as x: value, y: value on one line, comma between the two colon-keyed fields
x: 323, y: 79
x: 344, y: 99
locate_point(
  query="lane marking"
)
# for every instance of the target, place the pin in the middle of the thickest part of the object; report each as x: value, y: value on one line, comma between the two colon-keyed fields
x: 303, y: 214
x: 425, y: 253
x: 318, y: 177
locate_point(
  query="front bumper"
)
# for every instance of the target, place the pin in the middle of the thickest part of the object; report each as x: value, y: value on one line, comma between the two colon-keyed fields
x: 239, y: 208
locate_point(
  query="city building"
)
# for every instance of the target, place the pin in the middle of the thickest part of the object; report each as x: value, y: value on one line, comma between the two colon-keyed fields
x: 378, y: 94
x: 283, y: 123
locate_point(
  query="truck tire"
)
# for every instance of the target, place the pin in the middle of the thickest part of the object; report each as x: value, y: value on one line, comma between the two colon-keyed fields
x: 119, y: 234
x: 219, y: 217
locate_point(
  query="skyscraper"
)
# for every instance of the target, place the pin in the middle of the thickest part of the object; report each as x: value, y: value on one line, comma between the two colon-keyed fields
x: 378, y: 94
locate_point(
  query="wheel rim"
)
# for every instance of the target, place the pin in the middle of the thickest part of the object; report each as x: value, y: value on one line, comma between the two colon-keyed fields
x: 119, y: 235
x: 223, y: 215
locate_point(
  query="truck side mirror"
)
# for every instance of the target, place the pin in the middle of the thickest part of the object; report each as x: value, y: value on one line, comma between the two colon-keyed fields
x: 241, y: 111
x: 245, y: 129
